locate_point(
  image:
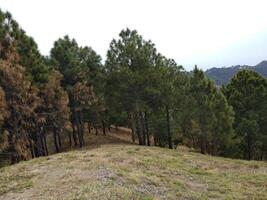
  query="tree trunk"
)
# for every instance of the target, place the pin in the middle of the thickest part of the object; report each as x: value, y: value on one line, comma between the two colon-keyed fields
x: 55, y: 139
x: 138, y: 128
x: 202, y: 146
x: 36, y: 144
x: 31, y: 147
x: 168, y: 127
x: 76, y: 118
x: 193, y: 141
x: 45, y: 143
x: 147, y: 129
x: 103, y: 127
x: 14, y: 156
x: 81, y: 125
x: 42, y: 145
x: 59, y: 139
x: 262, y: 152
x: 249, y: 147
x: 212, y: 152
x: 132, y: 126
x: 89, y: 127
x: 155, y: 140
x: 74, y: 134
x: 143, y: 128
x: 70, y: 143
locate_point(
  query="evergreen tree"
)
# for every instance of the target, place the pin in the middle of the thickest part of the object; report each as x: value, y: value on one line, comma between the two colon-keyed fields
x: 22, y: 101
x: 3, y: 115
x: 13, y: 38
x: 55, y: 110
x: 247, y: 94
x: 128, y: 59
x: 75, y: 64
x: 211, y: 117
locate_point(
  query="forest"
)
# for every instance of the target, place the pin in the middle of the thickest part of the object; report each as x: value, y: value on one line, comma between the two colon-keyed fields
x: 60, y: 97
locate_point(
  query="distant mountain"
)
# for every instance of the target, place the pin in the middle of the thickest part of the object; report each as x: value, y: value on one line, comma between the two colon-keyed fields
x: 223, y: 75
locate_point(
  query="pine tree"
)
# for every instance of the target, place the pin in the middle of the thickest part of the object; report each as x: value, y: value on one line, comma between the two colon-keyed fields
x: 211, y: 118
x: 22, y: 101
x: 247, y: 94
x: 127, y: 61
x: 75, y: 64
x: 55, y: 110
x: 3, y: 116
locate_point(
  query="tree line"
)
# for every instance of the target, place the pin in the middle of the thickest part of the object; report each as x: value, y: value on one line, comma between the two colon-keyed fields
x: 136, y: 87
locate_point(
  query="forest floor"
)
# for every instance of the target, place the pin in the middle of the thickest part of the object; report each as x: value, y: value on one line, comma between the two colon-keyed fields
x: 111, y: 167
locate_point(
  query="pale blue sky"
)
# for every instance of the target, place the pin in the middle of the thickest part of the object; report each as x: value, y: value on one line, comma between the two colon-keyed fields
x: 208, y: 33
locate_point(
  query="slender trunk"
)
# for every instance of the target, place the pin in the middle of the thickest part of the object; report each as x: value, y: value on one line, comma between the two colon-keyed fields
x: 96, y: 130
x: 36, y: 147
x: 103, y: 127
x: 116, y: 127
x: 31, y: 147
x: 74, y: 134
x: 143, y: 128
x: 168, y: 127
x: 132, y: 127
x: 81, y: 125
x: 59, y: 139
x: 202, y: 146
x: 55, y: 139
x: 193, y: 141
x: 207, y: 147
x: 213, y: 148
x: 45, y: 144
x: 155, y: 140
x: 262, y: 152
x: 70, y: 143
x: 133, y: 136
x: 78, y: 128
x: 42, y: 145
x: 147, y: 129
x: 14, y: 155
x: 249, y: 147
x: 138, y: 128
x: 89, y: 127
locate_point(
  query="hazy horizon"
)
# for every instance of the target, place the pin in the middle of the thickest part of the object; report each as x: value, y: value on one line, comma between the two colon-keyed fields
x: 207, y: 33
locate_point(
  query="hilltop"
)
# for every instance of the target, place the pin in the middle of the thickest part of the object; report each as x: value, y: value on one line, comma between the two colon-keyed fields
x: 120, y: 170
x: 223, y: 75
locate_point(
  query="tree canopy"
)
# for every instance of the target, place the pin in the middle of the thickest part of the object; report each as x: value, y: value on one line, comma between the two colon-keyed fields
x: 50, y: 104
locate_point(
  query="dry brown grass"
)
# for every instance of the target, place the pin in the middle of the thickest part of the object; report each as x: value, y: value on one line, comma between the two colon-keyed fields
x: 105, y: 170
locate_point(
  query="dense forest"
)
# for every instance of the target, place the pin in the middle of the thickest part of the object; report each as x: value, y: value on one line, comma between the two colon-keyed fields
x: 62, y: 95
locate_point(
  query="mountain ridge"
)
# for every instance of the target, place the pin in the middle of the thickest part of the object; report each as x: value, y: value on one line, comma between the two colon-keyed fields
x: 223, y: 75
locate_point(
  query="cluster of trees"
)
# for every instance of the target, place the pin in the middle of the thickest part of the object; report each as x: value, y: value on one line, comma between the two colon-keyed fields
x: 41, y: 95
x: 247, y: 94
x: 136, y: 87
x: 161, y: 101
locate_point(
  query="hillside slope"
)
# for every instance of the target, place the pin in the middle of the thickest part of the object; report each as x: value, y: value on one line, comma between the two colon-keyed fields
x: 223, y: 75
x: 125, y: 171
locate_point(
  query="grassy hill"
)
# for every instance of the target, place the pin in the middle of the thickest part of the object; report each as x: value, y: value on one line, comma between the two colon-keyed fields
x: 127, y: 171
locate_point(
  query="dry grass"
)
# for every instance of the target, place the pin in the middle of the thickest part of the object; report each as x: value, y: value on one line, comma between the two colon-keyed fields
x: 124, y: 171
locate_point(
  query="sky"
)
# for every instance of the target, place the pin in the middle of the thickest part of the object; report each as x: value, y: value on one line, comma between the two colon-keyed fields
x: 206, y: 33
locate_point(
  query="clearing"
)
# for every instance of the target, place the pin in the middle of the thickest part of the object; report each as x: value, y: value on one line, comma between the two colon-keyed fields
x: 117, y: 169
